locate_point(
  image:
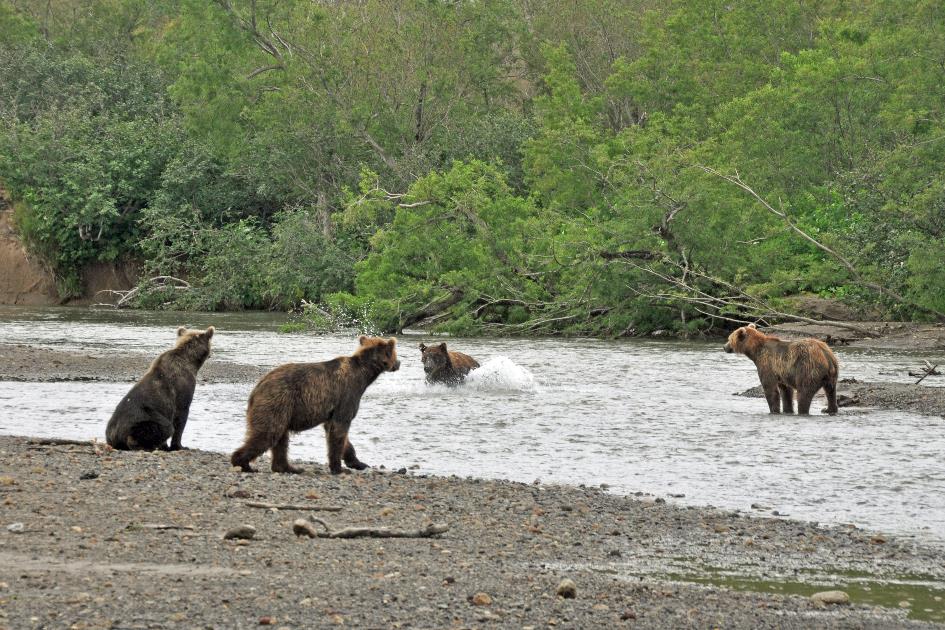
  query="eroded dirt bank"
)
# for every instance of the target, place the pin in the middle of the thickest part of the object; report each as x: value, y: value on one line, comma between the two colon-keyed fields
x: 105, y: 539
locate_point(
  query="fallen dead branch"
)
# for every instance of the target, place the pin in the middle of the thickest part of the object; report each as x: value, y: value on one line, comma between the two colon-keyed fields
x: 929, y: 369
x: 302, y: 527
x: 159, y: 526
x: 59, y: 442
x: 292, y: 506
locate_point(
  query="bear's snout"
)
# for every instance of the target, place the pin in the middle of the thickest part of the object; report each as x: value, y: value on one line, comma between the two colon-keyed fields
x: 396, y: 366
x: 727, y: 347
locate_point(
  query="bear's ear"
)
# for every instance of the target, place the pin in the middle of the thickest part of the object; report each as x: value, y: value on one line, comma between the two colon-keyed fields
x: 741, y: 333
x: 443, y: 346
x: 422, y: 347
x: 181, y: 330
x: 392, y: 342
x: 362, y: 339
x: 209, y: 333
x: 752, y: 326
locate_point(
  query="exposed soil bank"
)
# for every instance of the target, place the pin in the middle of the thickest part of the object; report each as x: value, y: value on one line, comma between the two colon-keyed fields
x: 20, y: 362
x: 885, y: 335
x: 105, y: 539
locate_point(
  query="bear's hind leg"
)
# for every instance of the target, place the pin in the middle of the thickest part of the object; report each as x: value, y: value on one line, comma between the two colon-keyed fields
x: 830, y: 388
x: 280, y: 457
x: 787, y: 399
x: 337, y: 439
x: 255, y: 445
x: 804, y: 397
x: 351, y: 459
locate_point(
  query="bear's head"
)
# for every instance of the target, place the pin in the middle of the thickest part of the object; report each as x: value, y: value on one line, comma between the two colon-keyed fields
x: 435, y: 358
x: 195, y: 344
x: 381, y: 351
x: 743, y: 339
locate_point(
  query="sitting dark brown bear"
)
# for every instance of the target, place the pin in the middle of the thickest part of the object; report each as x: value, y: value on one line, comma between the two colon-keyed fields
x: 299, y: 396
x: 445, y: 366
x: 156, y: 408
x: 784, y: 366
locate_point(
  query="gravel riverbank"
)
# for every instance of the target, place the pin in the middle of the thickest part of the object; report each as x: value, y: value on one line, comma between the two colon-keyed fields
x: 94, y: 538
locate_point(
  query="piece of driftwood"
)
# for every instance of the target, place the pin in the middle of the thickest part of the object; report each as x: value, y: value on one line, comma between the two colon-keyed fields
x: 302, y: 527
x: 291, y: 506
x: 928, y: 370
x: 58, y: 442
x: 159, y: 526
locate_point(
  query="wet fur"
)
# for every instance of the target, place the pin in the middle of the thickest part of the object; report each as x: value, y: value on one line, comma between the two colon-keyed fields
x: 445, y: 366
x: 299, y: 396
x: 157, y: 407
x: 784, y: 367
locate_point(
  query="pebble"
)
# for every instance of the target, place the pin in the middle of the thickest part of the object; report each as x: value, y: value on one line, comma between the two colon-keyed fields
x: 825, y: 598
x: 16, y: 528
x: 481, y: 599
x: 566, y: 589
x: 91, y: 474
x: 243, y: 532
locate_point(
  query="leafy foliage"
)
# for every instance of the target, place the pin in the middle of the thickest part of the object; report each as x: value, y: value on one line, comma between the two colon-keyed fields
x: 506, y: 167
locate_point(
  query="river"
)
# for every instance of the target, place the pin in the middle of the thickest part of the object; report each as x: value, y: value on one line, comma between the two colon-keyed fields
x: 657, y: 417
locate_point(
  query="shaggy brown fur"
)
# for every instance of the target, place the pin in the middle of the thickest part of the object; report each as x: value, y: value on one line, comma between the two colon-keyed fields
x: 785, y: 366
x: 299, y: 396
x: 157, y: 407
x: 445, y: 366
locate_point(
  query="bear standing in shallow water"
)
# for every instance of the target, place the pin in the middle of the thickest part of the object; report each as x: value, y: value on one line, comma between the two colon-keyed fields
x: 156, y: 408
x: 299, y: 396
x: 445, y: 366
x: 784, y: 366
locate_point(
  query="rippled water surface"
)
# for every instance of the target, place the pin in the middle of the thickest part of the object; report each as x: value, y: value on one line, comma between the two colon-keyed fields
x: 648, y: 416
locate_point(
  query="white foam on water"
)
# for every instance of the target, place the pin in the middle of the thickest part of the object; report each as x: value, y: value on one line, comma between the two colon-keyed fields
x: 502, y: 374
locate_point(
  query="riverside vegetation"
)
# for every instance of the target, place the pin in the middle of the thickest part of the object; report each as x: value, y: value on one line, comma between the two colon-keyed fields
x: 504, y: 167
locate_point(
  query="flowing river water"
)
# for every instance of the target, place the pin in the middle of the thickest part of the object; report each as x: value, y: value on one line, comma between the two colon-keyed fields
x: 657, y: 417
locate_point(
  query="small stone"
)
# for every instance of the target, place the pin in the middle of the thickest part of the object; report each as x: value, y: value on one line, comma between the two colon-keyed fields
x: 90, y: 474
x: 7, y: 481
x: 267, y: 621
x: 627, y: 615
x: 238, y: 493
x: 825, y: 598
x: 600, y: 607
x: 905, y: 604
x: 481, y: 599
x: 566, y: 589
x: 878, y: 540
x: 242, y: 532
x: 302, y: 527
x: 16, y: 528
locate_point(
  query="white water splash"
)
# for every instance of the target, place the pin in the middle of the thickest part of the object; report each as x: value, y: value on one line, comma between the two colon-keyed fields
x: 501, y: 374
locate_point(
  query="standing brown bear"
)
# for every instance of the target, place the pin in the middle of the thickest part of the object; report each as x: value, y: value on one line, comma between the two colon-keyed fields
x: 156, y: 408
x: 784, y: 366
x: 445, y: 366
x: 298, y: 396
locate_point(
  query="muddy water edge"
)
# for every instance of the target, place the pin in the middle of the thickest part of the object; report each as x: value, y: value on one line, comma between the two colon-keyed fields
x: 656, y: 420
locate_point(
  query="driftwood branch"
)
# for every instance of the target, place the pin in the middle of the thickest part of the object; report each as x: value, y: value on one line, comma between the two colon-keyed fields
x: 159, y: 526
x: 291, y: 506
x: 929, y: 371
x: 302, y: 527
x: 59, y: 442
x: 125, y: 297
x: 846, y: 264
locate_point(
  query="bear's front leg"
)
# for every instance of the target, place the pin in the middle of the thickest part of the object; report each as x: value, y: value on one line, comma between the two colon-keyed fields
x: 773, y: 396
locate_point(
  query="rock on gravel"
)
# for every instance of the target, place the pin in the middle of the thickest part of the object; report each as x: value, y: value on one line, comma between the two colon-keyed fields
x: 825, y: 598
x: 566, y: 589
x: 240, y: 532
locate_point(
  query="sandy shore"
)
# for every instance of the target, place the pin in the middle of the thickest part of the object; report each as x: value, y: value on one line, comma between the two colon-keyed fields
x: 94, y: 538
